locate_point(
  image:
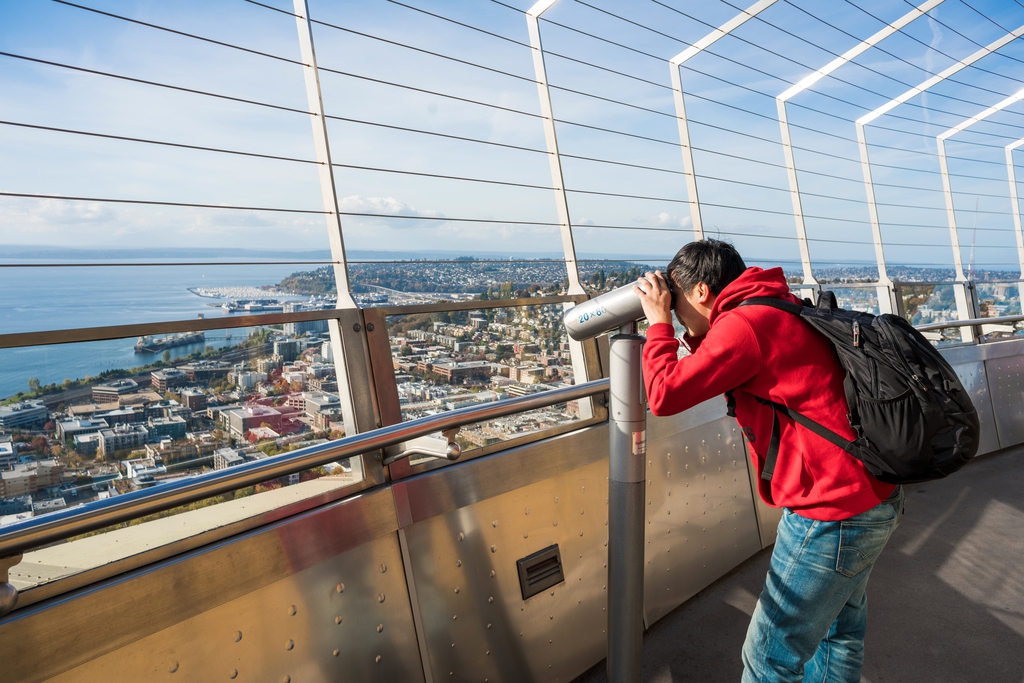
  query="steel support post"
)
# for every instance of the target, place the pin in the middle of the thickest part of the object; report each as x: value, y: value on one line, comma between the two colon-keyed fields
x: 810, y: 284
x: 627, y: 469
x: 869, y: 187
x: 348, y: 341
x: 677, y: 90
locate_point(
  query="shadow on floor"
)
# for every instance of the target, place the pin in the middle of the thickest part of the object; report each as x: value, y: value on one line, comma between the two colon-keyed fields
x: 946, y: 597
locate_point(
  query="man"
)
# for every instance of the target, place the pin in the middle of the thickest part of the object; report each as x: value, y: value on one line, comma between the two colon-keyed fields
x: 810, y: 619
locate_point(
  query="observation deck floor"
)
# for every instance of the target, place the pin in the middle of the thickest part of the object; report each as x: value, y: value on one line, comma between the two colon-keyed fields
x: 946, y: 596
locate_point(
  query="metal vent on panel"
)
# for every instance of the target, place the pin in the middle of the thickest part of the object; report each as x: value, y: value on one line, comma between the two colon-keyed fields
x: 540, y: 570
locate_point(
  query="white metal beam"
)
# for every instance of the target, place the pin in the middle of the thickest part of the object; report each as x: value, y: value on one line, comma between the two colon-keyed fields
x: 551, y: 139
x: 677, y: 90
x: 1015, y: 203
x: 807, y: 82
x: 944, y: 170
x: 865, y: 160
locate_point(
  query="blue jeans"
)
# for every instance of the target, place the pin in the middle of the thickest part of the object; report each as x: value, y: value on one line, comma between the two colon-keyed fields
x: 810, y: 620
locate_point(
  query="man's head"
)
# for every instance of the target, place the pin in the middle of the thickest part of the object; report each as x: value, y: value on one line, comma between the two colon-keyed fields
x: 698, y: 274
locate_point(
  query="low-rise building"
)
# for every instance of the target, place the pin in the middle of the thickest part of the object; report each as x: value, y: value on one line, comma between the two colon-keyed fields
x: 112, y: 391
x: 205, y: 370
x: 88, y: 444
x: 241, y: 420
x: 122, y: 437
x: 8, y: 457
x: 314, y: 402
x: 69, y: 429
x: 165, y: 379
x: 143, y: 467
x: 287, y: 349
x: 24, y: 415
x: 172, y: 427
x: 224, y: 458
x: 15, y: 505
x: 195, y: 398
x: 28, y: 478
x: 41, y: 507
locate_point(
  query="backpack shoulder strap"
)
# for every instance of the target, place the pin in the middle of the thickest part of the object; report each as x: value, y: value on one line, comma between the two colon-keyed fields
x: 772, y: 302
x: 773, y: 447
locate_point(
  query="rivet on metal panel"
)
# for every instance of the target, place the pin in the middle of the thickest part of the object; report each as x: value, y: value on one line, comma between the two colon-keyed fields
x: 286, y: 679
x: 456, y: 589
x: 233, y: 674
x: 488, y: 625
x: 380, y: 628
x: 454, y: 617
x: 490, y: 599
x: 526, y: 534
x: 238, y: 636
x: 356, y: 327
x: 581, y: 534
x: 337, y: 620
x: 458, y: 563
x: 494, y: 523
x: 377, y: 659
x: 686, y: 449
x: 340, y: 588
x: 492, y: 573
x: 668, y: 475
x: 527, y: 510
x: 383, y: 568
x: 556, y: 499
x: 581, y: 511
x: 494, y: 548
x: 173, y: 667
x: 336, y: 652
x: 583, y: 489
x: 703, y: 442
x: 555, y: 523
x: 292, y: 610
x: 461, y: 536
x: 380, y: 598
x: 289, y: 645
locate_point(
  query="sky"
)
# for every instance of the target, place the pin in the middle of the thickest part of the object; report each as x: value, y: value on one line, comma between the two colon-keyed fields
x: 424, y: 88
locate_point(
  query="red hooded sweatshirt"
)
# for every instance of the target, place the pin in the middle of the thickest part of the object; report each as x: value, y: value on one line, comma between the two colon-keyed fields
x: 762, y: 351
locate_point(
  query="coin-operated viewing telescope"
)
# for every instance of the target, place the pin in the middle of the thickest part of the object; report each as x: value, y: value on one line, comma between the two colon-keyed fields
x: 610, y: 311
x: 620, y: 310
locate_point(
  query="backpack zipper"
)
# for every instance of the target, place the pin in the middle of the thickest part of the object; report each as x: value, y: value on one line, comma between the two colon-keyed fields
x: 895, y: 347
x: 856, y: 334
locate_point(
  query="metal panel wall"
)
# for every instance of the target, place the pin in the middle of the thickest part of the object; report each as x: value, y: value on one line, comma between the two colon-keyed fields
x: 700, y: 514
x: 181, y: 616
x: 1006, y: 386
x: 975, y: 381
x: 348, y: 618
x: 477, y: 626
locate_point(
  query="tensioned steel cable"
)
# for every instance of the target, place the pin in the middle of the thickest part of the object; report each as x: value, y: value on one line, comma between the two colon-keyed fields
x: 157, y: 142
x: 154, y: 83
x: 180, y: 33
x: 835, y: 54
x: 153, y: 202
x: 740, y: 64
x: 697, y: 122
x: 251, y: 101
x: 628, y: 104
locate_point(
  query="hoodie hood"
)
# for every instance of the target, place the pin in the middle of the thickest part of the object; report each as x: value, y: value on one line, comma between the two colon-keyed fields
x: 753, y: 282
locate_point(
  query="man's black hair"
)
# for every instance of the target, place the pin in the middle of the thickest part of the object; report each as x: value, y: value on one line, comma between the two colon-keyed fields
x: 713, y: 262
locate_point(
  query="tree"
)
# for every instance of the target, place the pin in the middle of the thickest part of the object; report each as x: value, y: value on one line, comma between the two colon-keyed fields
x: 167, y: 356
x: 33, y: 384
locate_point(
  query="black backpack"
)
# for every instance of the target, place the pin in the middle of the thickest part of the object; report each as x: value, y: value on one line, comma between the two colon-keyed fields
x: 913, y: 419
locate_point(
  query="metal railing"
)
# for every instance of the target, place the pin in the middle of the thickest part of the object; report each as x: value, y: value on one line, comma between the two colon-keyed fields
x: 33, y: 533
x: 972, y: 322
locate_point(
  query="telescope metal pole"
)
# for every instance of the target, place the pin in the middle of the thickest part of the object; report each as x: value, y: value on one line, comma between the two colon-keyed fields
x: 627, y: 466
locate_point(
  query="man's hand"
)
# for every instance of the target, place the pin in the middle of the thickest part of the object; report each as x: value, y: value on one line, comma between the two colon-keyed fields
x: 655, y: 297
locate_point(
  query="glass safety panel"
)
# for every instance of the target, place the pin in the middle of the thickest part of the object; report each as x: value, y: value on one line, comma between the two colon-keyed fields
x: 997, y: 299
x: 932, y: 303
x: 454, y: 359
x: 89, y: 421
